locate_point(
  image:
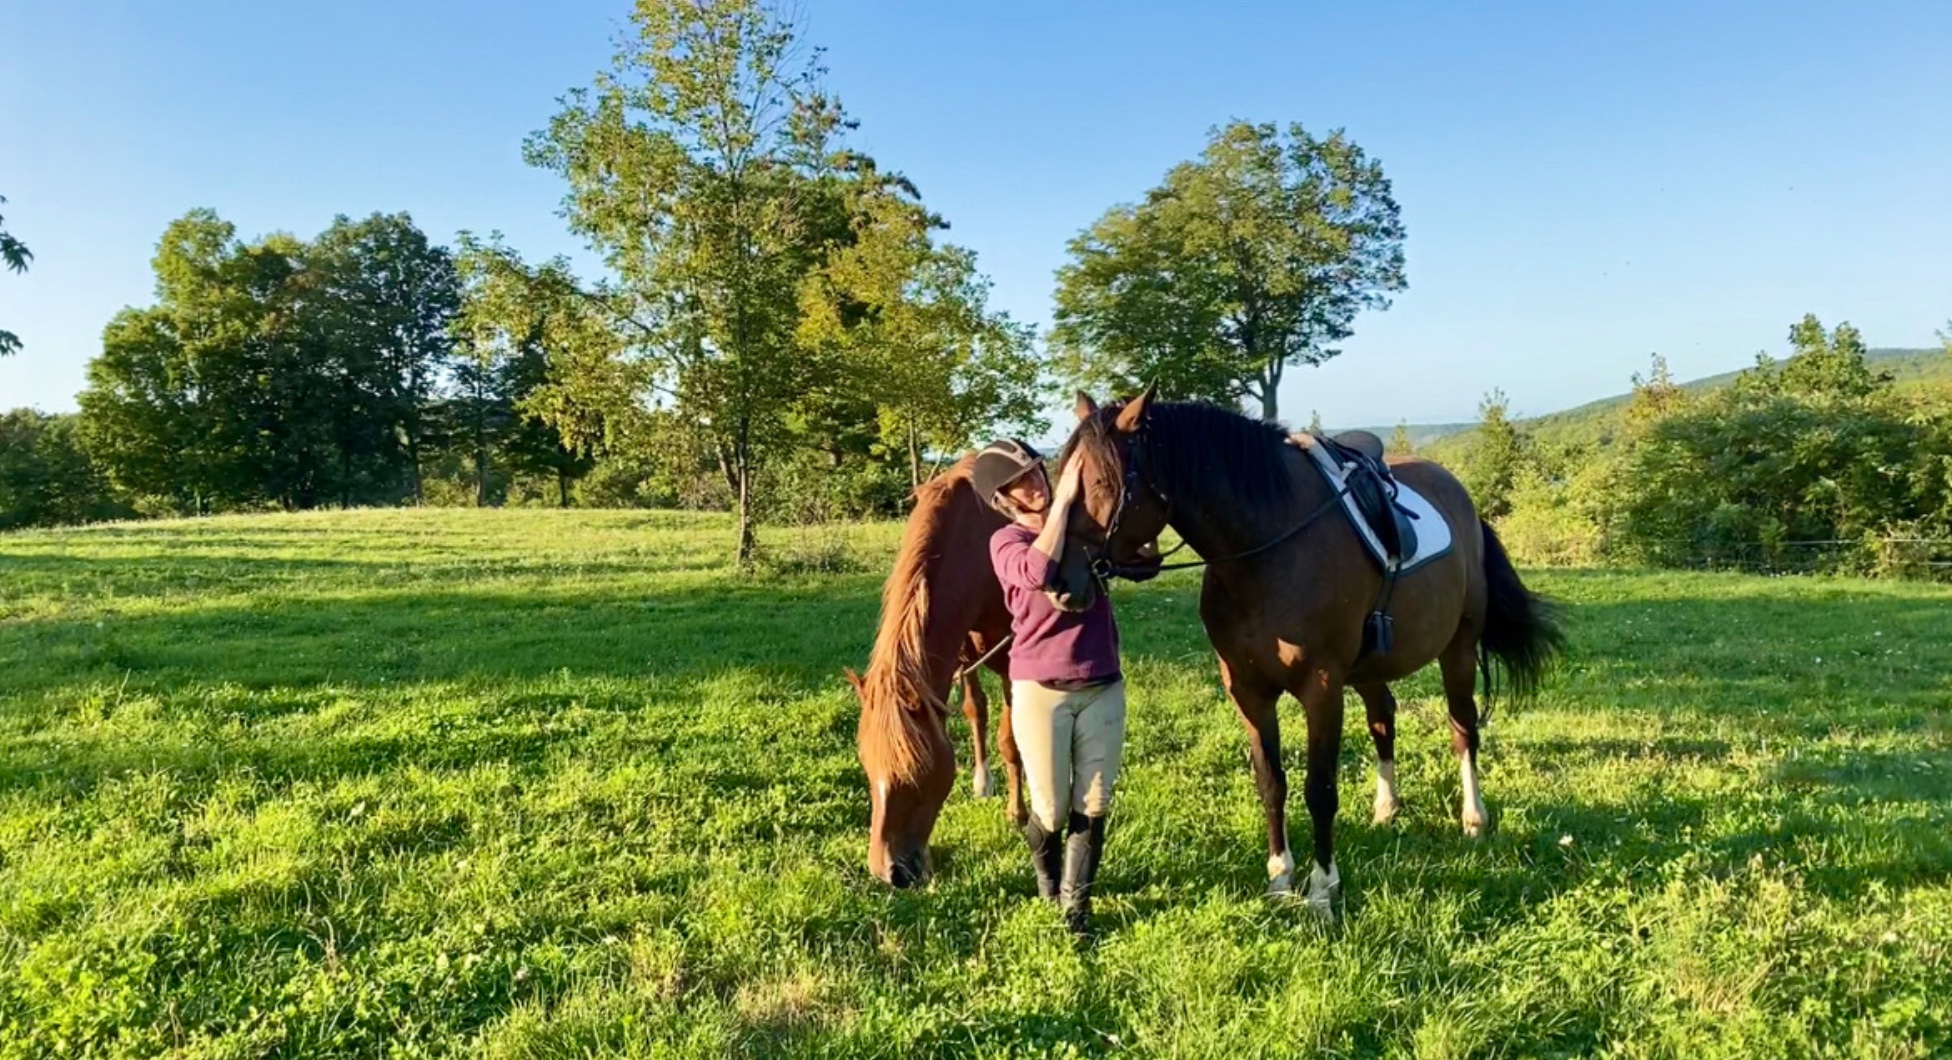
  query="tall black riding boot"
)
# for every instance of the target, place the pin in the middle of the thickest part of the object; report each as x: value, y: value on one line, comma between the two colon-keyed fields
x: 1046, y: 856
x: 1082, y: 850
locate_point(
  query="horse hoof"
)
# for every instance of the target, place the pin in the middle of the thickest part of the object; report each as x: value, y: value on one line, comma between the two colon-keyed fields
x: 1473, y: 828
x: 1385, y: 813
x: 1323, y: 889
x: 1282, y: 886
x: 980, y: 783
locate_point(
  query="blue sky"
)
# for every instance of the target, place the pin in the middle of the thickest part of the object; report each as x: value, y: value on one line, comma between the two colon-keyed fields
x: 1583, y: 184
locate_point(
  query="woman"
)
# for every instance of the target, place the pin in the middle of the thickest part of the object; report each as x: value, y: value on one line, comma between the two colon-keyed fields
x: 1068, y: 695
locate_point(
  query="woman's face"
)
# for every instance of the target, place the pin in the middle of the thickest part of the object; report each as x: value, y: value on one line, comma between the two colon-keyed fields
x: 1030, y: 495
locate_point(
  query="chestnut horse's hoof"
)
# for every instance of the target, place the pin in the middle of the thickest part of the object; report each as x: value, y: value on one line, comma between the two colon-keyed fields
x: 1385, y: 812
x: 1280, y: 875
x: 1474, y: 828
x: 980, y: 783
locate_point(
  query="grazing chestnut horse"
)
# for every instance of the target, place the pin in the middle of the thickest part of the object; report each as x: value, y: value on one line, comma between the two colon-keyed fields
x: 1289, y: 585
x: 941, y: 608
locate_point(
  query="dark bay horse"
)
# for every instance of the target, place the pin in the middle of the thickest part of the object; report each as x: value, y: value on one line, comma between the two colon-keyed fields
x: 1287, y: 588
x: 941, y: 609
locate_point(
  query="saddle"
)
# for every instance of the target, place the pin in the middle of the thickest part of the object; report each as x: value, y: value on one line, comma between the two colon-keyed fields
x: 1373, y: 488
x: 1358, y: 458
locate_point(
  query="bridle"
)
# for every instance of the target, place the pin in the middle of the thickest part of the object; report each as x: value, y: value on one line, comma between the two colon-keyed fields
x: 1135, y: 479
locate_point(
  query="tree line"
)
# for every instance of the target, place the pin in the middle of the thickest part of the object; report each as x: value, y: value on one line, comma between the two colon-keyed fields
x: 780, y: 327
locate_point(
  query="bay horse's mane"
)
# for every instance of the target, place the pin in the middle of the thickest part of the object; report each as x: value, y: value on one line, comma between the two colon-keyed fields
x: 1191, y: 450
x: 897, y: 703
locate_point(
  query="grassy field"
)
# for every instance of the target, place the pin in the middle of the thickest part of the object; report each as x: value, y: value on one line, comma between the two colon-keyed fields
x: 542, y: 784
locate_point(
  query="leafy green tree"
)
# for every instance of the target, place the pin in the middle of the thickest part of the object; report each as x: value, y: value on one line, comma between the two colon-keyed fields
x: 1496, y: 459
x: 15, y: 256
x: 46, y: 479
x: 381, y: 300
x: 274, y: 372
x: 507, y: 411
x: 692, y: 167
x: 1255, y: 257
x: 907, y: 321
x: 1399, y: 441
x: 1821, y: 366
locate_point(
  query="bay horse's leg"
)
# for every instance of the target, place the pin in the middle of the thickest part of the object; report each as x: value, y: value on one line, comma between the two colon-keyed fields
x: 976, y: 707
x: 1459, y: 663
x: 1381, y: 707
x: 1006, y: 745
x: 1321, y: 699
x: 1257, y: 706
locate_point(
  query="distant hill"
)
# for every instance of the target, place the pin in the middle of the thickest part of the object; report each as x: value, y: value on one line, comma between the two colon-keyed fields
x: 1595, y: 420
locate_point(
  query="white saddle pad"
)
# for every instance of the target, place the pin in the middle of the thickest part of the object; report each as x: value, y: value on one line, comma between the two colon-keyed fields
x: 1433, y: 530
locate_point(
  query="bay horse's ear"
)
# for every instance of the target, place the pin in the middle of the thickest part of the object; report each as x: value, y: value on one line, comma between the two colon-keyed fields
x: 1133, y: 413
x: 1086, y: 407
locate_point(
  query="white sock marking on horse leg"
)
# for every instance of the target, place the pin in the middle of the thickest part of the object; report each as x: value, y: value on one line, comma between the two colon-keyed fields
x: 1323, y: 888
x: 1473, y: 802
x: 980, y: 782
x: 1386, y: 802
x: 1281, y: 873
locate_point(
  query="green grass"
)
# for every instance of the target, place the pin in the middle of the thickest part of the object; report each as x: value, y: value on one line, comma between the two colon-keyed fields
x: 547, y: 784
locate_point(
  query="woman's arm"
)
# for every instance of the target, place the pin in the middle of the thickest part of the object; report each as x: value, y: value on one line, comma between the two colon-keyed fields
x: 1057, y: 518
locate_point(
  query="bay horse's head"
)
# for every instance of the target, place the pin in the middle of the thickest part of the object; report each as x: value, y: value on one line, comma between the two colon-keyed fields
x: 1120, y: 512
x: 905, y: 752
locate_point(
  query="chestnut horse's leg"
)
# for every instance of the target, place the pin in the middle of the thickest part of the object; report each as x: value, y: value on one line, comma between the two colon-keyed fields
x: 1006, y: 745
x: 1459, y: 663
x: 976, y: 707
x: 1320, y: 693
x: 1257, y: 706
x: 1381, y: 707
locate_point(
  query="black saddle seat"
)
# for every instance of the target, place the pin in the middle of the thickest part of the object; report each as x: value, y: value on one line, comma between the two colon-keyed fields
x: 1360, y: 453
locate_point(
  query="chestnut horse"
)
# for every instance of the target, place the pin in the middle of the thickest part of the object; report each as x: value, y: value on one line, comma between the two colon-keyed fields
x: 941, y: 608
x: 1288, y: 587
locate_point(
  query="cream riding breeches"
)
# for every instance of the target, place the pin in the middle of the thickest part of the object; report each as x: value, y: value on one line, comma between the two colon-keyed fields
x: 1071, y: 744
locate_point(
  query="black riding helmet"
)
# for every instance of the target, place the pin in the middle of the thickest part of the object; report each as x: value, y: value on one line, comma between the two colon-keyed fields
x: 1000, y: 464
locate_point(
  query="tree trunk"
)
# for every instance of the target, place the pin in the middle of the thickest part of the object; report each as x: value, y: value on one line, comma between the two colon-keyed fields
x: 1271, y: 393
x: 742, y: 458
x: 914, y: 459
x: 562, y: 486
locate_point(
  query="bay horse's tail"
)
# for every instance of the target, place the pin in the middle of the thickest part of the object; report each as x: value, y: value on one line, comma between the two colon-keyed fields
x: 1522, y: 638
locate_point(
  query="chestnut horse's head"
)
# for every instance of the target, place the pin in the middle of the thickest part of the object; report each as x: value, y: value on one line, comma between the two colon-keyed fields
x: 910, y: 766
x: 1120, y: 512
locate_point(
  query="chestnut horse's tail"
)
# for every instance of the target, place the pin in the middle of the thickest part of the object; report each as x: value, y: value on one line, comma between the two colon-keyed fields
x: 1522, y: 638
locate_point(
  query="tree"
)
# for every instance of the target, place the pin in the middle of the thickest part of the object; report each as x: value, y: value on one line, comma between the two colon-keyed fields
x: 527, y: 336
x: 45, y: 477
x: 691, y: 167
x: 274, y: 372
x: 1822, y: 366
x: 384, y: 300
x: 906, y: 322
x: 1256, y: 257
x: 1399, y: 441
x: 15, y: 256
x: 1496, y: 459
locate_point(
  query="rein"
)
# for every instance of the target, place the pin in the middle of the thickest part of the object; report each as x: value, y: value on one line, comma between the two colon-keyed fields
x: 985, y: 657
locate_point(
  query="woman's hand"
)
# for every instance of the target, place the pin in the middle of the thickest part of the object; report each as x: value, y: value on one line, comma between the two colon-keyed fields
x: 1070, y: 482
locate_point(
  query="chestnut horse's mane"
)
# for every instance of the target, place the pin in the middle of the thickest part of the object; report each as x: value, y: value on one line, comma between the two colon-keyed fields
x: 898, y: 708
